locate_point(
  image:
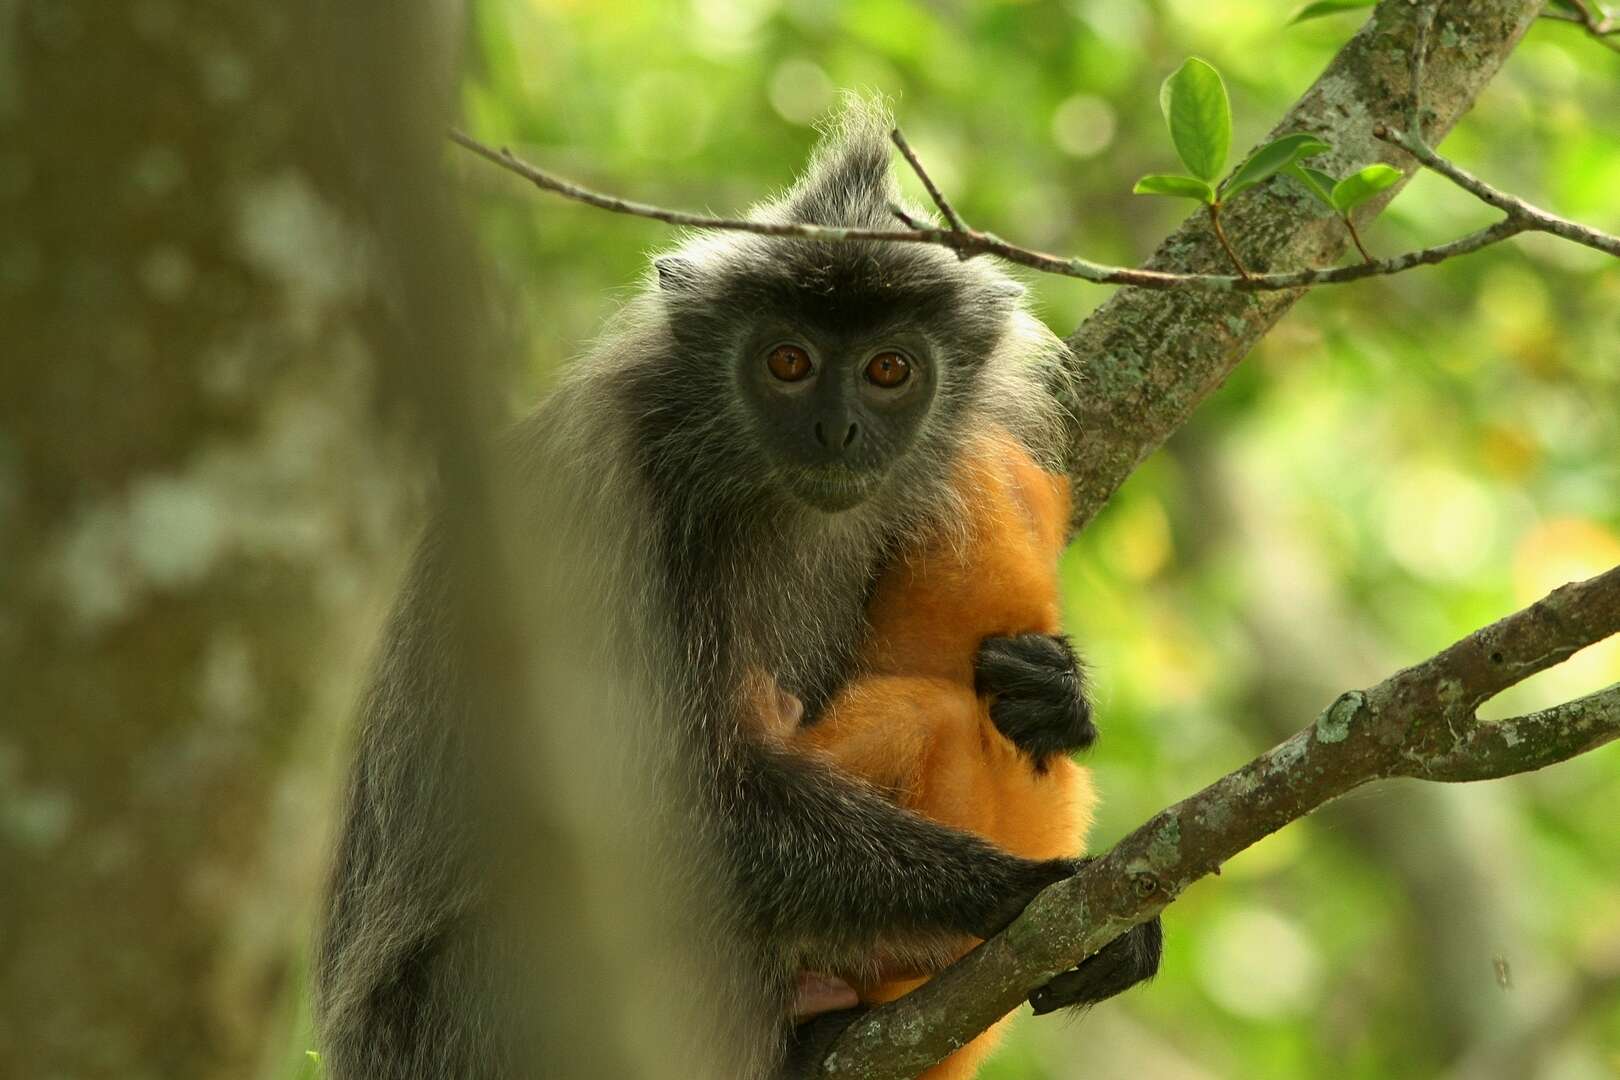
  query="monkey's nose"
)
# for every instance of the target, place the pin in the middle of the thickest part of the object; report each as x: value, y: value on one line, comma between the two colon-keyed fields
x: 838, y: 444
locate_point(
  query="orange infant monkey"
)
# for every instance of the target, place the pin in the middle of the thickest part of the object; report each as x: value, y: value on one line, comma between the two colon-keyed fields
x: 967, y: 703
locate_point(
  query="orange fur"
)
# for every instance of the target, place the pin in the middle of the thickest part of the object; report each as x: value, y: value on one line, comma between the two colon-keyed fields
x: 911, y: 722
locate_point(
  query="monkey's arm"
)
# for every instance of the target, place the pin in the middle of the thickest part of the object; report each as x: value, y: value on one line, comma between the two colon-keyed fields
x: 848, y: 867
x: 398, y: 990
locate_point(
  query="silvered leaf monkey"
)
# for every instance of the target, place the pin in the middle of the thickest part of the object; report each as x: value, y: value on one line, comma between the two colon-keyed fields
x: 756, y: 437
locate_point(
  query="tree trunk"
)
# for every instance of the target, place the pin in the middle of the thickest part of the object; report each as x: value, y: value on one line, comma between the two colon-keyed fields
x: 205, y: 470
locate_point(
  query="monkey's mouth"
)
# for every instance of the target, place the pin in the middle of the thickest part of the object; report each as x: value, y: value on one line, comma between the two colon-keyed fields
x: 832, y: 488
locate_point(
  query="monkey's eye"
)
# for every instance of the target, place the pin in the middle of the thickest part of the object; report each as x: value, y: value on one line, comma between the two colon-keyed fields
x: 888, y: 370
x: 789, y: 363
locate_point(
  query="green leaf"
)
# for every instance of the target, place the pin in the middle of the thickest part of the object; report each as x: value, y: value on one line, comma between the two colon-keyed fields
x: 1360, y: 186
x: 1271, y: 159
x: 1328, y: 7
x: 1184, y: 187
x: 1317, y: 182
x: 1194, y: 102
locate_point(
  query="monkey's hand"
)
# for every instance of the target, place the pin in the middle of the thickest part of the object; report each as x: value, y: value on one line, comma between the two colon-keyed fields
x: 1037, y: 693
x: 812, y: 1039
x: 1034, y: 877
x: 1131, y: 958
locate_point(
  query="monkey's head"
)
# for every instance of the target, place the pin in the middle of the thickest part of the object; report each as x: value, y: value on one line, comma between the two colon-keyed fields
x: 836, y: 371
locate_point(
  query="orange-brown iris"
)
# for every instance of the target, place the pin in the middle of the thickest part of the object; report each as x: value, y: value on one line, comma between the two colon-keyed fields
x: 789, y: 363
x: 888, y: 370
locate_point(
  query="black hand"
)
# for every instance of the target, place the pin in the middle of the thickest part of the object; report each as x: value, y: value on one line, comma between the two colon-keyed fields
x: 1131, y: 958
x: 1037, y: 693
x: 1038, y: 877
x: 812, y: 1039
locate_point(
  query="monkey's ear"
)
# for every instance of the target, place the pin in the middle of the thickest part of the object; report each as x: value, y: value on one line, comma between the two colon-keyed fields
x: 675, y: 272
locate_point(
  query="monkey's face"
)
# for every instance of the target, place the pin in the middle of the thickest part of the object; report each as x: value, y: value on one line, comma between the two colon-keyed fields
x: 843, y: 372
x: 835, y: 411
x: 839, y: 375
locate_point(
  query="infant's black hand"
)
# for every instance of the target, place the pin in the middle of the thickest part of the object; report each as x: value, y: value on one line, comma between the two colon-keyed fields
x: 1037, y: 693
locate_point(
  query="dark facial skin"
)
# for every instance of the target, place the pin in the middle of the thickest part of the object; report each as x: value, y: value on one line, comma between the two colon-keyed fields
x: 835, y: 412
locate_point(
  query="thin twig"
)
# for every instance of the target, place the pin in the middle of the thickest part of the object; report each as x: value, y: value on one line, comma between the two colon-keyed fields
x: 1533, y: 218
x: 1412, y: 141
x: 977, y: 241
x: 1355, y: 237
x: 1220, y: 234
x: 945, y: 208
x: 1594, y: 20
x: 1592, y: 15
x: 1604, y: 37
x: 906, y: 219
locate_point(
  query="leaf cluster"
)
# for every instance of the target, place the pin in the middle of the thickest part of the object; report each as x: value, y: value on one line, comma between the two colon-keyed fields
x: 1199, y: 114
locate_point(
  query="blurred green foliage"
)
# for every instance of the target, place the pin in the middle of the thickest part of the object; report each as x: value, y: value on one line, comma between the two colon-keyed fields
x: 1401, y: 461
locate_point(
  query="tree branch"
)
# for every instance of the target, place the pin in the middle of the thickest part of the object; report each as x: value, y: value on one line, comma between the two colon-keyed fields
x: 945, y: 208
x: 968, y: 242
x: 1420, y: 722
x: 1587, y: 15
x: 1530, y: 218
x: 1525, y: 743
x: 1516, y: 209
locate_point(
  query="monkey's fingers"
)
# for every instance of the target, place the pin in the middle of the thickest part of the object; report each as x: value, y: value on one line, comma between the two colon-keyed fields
x: 776, y: 713
x: 1131, y: 958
